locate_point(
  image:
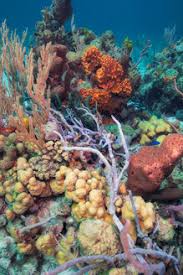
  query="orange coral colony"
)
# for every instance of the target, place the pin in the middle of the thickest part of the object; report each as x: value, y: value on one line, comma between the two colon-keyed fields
x: 109, y: 77
x: 91, y: 59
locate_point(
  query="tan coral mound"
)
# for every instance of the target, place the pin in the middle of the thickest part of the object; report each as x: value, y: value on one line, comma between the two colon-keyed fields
x: 98, y: 237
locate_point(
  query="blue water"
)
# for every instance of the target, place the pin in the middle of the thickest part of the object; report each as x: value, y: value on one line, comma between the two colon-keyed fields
x: 131, y: 17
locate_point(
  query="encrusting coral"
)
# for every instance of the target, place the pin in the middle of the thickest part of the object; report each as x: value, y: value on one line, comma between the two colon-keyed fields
x: 108, y: 77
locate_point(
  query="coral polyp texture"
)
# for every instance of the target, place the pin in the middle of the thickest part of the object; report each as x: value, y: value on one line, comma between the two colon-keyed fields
x: 90, y: 177
x: 108, y: 77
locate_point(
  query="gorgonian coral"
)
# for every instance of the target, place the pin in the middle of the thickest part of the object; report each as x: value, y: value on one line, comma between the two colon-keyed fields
x: 108, y: 78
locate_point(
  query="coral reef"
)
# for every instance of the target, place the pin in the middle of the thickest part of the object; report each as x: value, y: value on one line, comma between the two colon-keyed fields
x: 78, y: 190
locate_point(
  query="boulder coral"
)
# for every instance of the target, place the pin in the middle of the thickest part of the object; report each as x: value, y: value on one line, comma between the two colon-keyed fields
x: 98, y: 237
x: 151, y: 165
x: 88, y: 191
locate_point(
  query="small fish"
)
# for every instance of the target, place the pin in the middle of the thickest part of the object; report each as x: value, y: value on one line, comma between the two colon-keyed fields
x: 154, y: 143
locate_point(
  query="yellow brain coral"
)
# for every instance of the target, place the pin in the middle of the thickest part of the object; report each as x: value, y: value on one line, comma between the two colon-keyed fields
x: 98, y: 237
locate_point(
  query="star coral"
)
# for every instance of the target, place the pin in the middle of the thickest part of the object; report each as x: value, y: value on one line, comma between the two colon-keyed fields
x: 98, y: 237
x: 108, y: 76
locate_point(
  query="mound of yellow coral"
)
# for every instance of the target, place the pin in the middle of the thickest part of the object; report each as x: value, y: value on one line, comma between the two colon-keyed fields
x: 21, y: 187
x: 87, y: 189
x: 98, y: 237
x: 145, y: 213
x: 153, y: 128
